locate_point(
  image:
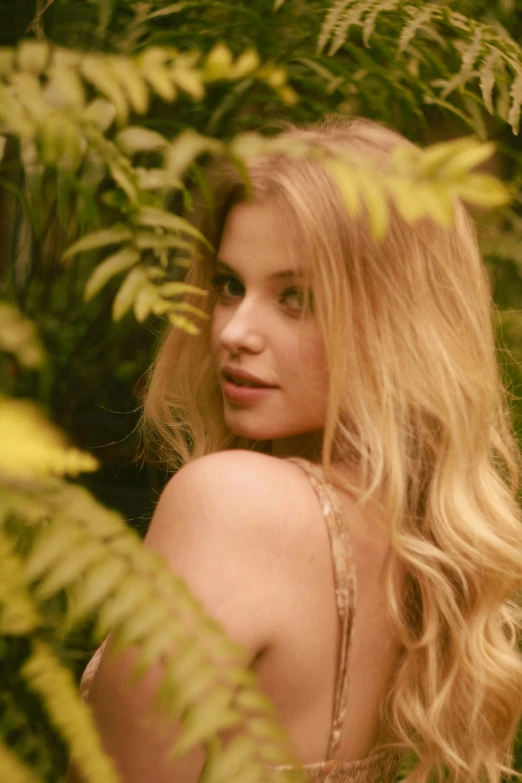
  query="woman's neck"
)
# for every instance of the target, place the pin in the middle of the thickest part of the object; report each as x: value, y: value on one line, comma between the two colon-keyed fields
x: 307, y: 445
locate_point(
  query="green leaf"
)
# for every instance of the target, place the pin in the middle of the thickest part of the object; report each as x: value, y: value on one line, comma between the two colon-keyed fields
x: 376, y: 203
x: 169, y: 9
x: 100, y: 581
x: 145, y: 240
x: 185, y: 324
x: 48, y: 549
x: 185, y: 149
x: 143, y: 621
x: 33, y: 56
x: 186, y: 307
x: 96, y: 239
x: 516, y: 101
x: 152, y: 63
x: 74, y: 563
x: 245, y: 64
x: 209, y: 716
x: 128, y: 597
x: 119, y: 262
x: 483, y: 190
x: 7, y: 57
x: 347, y: 182
x: 129, y: 77
x: 465, y: 157
x: 136, y: 139
x: 153, y: 217
x: 174, y: 288
x: 155, y: 645
x: 100, y: 113
x: 66, y: 82
x: 122, y: 177
x: 95, y: 69
x: 144, y: 302
x: 230, y: 764
x: 218, y: 63
x: 188, y: 78
x: 125, y: 297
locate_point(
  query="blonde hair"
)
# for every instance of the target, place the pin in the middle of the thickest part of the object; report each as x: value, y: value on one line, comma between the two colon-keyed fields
x: 416, y: 401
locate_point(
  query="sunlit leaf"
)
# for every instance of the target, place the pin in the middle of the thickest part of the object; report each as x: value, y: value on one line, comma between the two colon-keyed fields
x: 100, y: 113
x: 185, y: 149
x: 96, y: 71
x: 247, y: 62
x: 376, y: 203
x: 131, y: 80
x: 153, y: 65
x: 33, y: 56
x: 68, y: 85
x: 138, y: 139
x: 143, y: 304
x: 218, y: 63
x: 118, y: 262
x: 150, y: 216
x: 49, y: 548
x: 183, y: 323
x: 99, y: 583
x: 187, y: 77
x: 96, y: 239
x: 483, y: 190
x: 70, y: 568
x: 125, y: 297
x: 346, y: 181
x: 204, y: 719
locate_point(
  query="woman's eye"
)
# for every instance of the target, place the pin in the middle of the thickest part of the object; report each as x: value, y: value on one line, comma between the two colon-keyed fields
x: 226, y: 285
x: 295, y: 298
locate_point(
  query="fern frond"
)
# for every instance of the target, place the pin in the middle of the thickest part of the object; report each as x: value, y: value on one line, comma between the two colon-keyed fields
x: 419, y: 20
x: 18, y: 337
x: 90, y: 552
x: 33, y: 447
x: 12, y: 770
x: 488, y: 77
x: 55, y: 686
x: 346, y: 14
x: 371, y: 18
x: 18, y: 613
x: 480, y: 47
x: 471, y: 53
x: 516, y: 101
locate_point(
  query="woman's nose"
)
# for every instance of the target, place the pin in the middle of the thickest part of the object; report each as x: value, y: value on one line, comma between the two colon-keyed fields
x: 243, y: 329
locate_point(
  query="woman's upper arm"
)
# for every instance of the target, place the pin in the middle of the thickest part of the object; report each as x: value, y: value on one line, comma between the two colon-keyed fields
x: 215, y: 526
x: 211, y: 527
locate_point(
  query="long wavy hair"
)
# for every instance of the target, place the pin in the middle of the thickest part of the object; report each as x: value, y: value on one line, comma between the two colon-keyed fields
x: 417, y: 402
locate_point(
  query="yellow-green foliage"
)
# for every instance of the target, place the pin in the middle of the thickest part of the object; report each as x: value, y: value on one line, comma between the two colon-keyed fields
x: 12, y: 769
x: 487, y: 53
x: 55, y: 537
x: 43, y: 104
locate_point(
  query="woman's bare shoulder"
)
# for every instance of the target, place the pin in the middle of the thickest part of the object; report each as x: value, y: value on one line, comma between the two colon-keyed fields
x: 238, y: 480
x: 224, y: 524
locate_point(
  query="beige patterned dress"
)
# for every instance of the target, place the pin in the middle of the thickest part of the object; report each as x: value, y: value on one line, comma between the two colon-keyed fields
x: 380, y: 767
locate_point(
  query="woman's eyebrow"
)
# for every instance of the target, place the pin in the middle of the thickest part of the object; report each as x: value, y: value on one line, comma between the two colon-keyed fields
x: 276, y: 276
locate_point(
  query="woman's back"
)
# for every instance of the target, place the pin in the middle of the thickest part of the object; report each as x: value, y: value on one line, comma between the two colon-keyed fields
x: 334, y: 652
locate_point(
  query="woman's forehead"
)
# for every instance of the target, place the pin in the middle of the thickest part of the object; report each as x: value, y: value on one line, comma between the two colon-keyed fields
x: 257, y: 235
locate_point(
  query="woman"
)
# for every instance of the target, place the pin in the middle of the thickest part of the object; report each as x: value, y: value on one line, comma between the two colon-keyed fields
x: 346, y: 504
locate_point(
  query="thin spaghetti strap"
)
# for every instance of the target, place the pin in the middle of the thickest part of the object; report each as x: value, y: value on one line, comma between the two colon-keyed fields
x: 345, y: 588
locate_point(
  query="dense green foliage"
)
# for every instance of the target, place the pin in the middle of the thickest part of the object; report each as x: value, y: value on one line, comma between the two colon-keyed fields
x: 105, y: 132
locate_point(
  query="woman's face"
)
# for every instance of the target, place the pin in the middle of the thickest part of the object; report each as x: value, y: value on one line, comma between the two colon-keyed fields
x: 256, y: 328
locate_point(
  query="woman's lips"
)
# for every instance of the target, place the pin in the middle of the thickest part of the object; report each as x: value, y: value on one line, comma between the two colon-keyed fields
x: 245, y: 394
